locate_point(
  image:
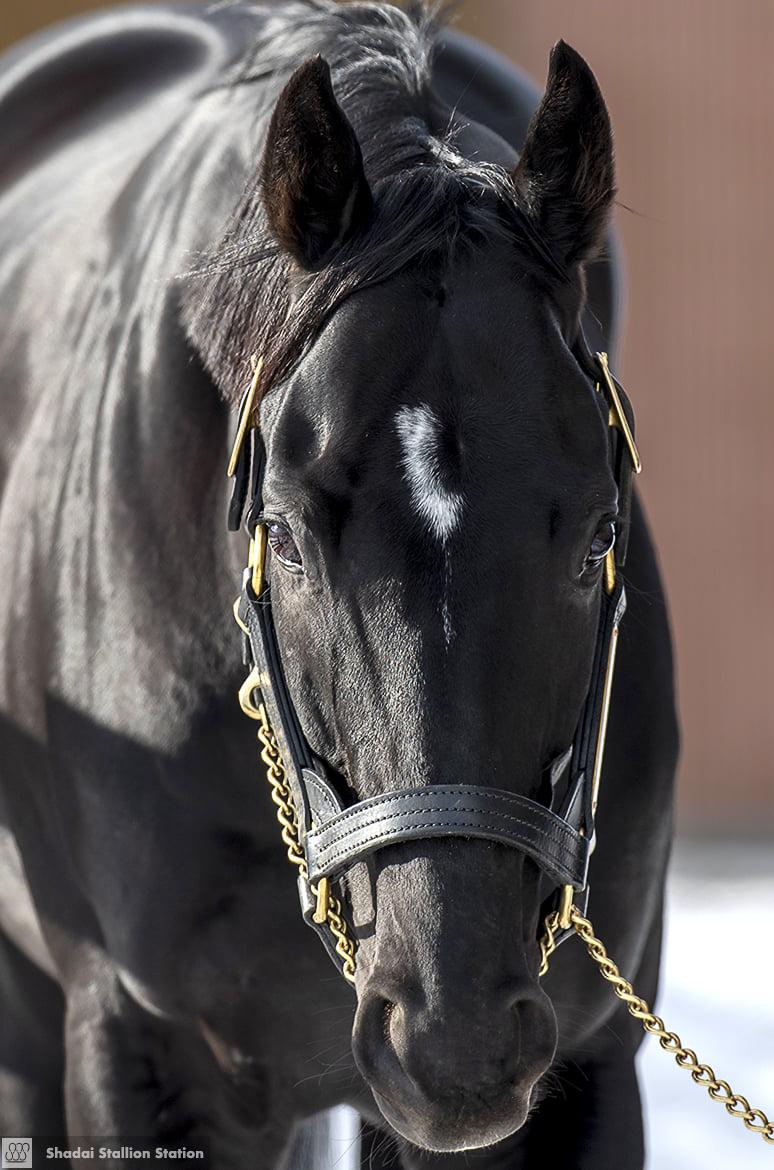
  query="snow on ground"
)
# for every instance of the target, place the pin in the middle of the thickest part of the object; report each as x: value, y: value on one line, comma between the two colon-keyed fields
x: 717, y: 992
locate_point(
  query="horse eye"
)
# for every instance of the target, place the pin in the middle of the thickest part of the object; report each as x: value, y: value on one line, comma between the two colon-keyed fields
x: 283, y: 546
x: 601, y: 545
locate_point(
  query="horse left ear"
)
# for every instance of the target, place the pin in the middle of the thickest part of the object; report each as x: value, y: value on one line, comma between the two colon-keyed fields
x: 314, y: 187
x: 566, y: 175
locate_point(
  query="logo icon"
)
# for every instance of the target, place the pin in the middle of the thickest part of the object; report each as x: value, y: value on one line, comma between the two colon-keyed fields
x: 16, y: 1153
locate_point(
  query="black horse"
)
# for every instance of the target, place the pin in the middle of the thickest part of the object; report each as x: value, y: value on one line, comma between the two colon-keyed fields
x: 336, y: 190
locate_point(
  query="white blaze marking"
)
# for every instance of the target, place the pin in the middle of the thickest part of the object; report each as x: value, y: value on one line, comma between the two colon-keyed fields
x: 419, y: 431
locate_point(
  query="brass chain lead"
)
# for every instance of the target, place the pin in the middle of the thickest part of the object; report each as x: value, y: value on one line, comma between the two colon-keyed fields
x: 288, y: 822
x: 754, y: 1119
x: 736, y: 1105
x: 329, y: 906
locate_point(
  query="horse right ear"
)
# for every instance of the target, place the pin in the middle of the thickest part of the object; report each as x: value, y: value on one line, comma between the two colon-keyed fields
x: 314, y: 187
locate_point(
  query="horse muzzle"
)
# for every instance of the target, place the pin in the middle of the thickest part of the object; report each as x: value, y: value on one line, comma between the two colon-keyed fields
x: 449, y: 1081
x: 452, y: 1029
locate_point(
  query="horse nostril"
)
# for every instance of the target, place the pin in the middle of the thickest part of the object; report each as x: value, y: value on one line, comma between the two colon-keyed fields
x: 376, y: 1037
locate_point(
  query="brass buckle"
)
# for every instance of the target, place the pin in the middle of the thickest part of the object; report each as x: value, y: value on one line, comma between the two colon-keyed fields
x: 247, y: 691
x: 245, y: 415
x: 617, y: 416
x: 256, y: 559
x: 237, y: 618
x: 323, y: 892
x: 564, y: 918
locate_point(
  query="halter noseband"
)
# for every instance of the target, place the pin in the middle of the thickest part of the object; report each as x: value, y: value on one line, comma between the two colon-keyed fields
x: 327, y: 834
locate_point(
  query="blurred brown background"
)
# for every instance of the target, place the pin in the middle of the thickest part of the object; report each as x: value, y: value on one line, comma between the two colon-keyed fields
x: 691, y: 92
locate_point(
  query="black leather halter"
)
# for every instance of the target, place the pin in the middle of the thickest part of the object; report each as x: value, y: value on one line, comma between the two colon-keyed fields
x: 336, y: 832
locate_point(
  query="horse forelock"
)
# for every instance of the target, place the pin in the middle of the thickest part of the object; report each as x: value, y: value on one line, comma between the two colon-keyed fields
x: 431, y: 200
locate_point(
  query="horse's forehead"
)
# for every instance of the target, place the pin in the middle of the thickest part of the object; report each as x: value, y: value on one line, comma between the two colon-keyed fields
x: 396, y: 354
x: 415, y: 393
x: 434, y: 468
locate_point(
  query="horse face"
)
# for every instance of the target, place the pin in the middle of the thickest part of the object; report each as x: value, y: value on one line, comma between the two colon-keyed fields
x: 438, y: 497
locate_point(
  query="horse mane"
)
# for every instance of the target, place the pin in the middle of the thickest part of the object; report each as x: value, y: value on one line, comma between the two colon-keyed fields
x: 430, y: 200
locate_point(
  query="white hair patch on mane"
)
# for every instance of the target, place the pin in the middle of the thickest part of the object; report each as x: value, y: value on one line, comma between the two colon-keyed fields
x: 419, y: 431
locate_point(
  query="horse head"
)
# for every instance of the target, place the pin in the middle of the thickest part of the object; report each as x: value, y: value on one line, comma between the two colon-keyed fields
x: 439, y: 504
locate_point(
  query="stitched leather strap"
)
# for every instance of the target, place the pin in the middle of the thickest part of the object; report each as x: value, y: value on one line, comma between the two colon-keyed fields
x: 459, y: 810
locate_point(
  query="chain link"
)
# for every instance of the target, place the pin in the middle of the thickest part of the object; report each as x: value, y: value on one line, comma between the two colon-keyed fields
x: 754, y: 1119
x: 288, y: 822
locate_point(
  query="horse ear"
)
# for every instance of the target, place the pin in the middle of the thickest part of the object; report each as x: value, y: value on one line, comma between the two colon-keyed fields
x: 565, y: 176
x: 314, y: 188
